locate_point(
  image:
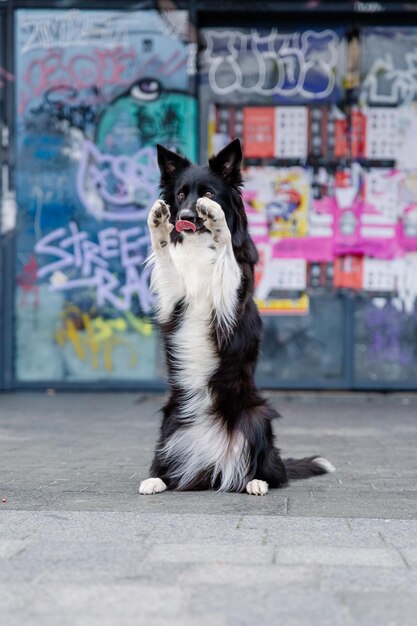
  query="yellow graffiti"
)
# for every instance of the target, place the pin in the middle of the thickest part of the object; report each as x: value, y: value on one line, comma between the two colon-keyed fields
x: 94, y: 338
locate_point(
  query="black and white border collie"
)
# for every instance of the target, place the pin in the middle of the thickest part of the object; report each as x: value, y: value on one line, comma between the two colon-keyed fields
x: 216, y: 431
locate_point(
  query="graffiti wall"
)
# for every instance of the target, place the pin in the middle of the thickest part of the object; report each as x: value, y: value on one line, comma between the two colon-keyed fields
x: 95, y: 92
x: 328, y: 123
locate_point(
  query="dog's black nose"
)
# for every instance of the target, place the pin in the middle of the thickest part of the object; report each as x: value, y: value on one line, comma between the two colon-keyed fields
x: 187, y: 214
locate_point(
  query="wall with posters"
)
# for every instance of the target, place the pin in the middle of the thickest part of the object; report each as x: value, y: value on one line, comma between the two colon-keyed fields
x: 95, y: 92
x: 329, y: 124
x: 328, y: 119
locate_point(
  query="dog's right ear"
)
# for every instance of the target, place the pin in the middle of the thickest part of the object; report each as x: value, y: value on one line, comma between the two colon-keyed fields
x: 170, y: 164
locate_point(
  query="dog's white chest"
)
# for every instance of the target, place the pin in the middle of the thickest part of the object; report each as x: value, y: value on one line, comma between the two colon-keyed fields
x: 195, y: 351
x: 194, y: 260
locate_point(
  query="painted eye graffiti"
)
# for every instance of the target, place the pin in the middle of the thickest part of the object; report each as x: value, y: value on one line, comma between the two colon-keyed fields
x: 146, y: 89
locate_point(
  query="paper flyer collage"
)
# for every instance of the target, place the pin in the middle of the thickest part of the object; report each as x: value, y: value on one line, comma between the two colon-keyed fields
x: 330, y: 190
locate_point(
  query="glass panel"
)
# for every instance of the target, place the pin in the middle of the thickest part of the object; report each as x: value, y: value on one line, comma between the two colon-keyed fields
x: 95, y: 92
x: 385, y: 341
x: 304, y: 349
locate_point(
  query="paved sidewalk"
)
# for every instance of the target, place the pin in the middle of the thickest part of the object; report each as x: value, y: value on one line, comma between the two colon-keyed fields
x: 80, y: 547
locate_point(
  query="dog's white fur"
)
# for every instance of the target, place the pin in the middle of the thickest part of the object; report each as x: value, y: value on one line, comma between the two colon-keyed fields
x: 257, y: 487
x: 202, y: 270
x: 151, y: 485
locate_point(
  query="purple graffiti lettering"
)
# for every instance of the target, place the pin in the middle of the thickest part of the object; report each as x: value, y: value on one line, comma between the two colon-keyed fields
x: 77, y: 252
x: 43, y: 246
x: 75, y: 240
x: 91, y: 257
x: 127, y: 246
x: 109, y: 185
x: 385, y: 327
x: 109, y: 243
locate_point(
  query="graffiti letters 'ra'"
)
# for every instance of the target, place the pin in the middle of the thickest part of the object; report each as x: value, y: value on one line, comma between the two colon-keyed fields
x: 86, y: 264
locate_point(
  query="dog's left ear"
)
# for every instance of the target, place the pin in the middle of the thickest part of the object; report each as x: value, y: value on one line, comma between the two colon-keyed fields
x: 228, y: 161
x: 170, y: 164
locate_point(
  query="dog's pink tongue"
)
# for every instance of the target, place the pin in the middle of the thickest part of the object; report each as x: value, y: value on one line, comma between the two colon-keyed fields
x: 185, y: 225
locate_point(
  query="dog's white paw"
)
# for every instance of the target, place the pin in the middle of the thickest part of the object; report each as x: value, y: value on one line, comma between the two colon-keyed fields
x: 159, y: 224
x: 257, y: 487
x: 151, y: 485
x: 214, y: 218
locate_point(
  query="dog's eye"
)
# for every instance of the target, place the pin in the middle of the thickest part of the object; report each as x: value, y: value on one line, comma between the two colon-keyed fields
x: 181, y: 195
x: 209, y: 194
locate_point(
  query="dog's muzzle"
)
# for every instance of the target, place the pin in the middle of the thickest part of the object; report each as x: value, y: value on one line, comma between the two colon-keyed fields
x: 188, y: 215
x: 188, y: 220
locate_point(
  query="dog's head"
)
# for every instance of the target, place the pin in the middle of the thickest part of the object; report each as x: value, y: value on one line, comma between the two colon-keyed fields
x: 182, y: 183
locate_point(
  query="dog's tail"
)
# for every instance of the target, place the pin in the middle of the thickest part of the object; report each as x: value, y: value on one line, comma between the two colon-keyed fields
x: 307, y: 467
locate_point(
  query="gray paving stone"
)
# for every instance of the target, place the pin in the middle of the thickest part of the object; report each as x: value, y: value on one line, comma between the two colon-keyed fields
x: 11, y: 547
x: 82, y: 603
x: 115, y: 557
x: 70, y: 525
x: 400, y: 533
x: 213, y: 529
x: 332, y: 555
x: 228, y: 554
x: 380, y: 609
x: 249, y: 605
x: 367, y: 579
x: 265, y: 575
x: 313, y: 531
x: 410, y: 556
x: 377, y: 504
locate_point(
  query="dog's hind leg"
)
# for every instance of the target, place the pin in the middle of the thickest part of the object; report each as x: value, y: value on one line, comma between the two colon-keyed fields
x: 166, y: 283
x: 269, y: 471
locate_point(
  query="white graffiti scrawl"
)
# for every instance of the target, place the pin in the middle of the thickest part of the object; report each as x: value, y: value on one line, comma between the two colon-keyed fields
x: 400, y: 83
x: 299, y: 64
x: 87, y: 264
x: 73, y: 28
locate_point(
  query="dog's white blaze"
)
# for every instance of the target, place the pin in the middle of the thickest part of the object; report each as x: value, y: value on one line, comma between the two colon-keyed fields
x: 195, y: 352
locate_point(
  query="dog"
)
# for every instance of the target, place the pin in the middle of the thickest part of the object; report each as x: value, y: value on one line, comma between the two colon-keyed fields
x: 216, y: 430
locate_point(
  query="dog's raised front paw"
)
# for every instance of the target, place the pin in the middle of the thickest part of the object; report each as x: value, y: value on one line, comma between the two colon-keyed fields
x: 257, y: 487
x: 214, y: 218
x: 159, y: 224
x: 151, y: 485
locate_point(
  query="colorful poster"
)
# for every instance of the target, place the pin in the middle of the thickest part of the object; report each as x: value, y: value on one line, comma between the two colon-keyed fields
x: 282, y: 196
x: 259, y: 131
x: 291, y: 124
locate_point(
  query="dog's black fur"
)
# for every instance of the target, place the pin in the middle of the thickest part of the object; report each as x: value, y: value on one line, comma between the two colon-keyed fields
x: 237, y: 404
